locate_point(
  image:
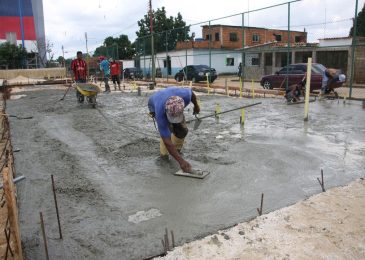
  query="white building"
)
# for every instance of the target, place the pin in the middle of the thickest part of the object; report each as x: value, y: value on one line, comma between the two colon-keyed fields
x: 335, y: 42
x: 224, y: 61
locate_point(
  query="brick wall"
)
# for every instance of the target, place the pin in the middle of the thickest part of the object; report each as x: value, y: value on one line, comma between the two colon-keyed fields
x: 197, y: 45
x: 262, y: 36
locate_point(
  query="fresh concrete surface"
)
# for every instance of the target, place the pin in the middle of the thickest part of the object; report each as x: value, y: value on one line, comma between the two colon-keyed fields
x: 116, y: 197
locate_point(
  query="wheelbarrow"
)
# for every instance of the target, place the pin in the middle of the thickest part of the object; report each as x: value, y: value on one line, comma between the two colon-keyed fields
x: 88, y: 90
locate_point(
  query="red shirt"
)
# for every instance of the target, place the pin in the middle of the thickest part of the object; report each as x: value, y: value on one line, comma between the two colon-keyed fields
x: 79, y: 68
x: 114, y: 68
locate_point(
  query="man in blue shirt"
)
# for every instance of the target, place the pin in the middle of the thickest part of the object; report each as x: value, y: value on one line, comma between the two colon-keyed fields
x: 167, y: 107
x: 105, y: 70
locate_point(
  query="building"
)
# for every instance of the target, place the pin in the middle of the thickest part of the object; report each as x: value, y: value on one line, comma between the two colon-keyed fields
x: 220, y: 48
x: 230, y: 37
x: 22, y: 22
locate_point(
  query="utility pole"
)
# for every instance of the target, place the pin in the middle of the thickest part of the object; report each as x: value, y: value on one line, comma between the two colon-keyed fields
x: 152, y: 41
x: 87, y: 51
x: 87, y: 54
x: 63, y: 56
x: 354, y: 31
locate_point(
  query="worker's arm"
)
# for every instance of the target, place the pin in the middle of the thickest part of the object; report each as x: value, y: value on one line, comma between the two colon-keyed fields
x: 194, y: 100
x: 184, y: 165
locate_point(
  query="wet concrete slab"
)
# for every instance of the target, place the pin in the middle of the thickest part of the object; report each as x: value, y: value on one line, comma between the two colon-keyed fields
x: 117, y: 197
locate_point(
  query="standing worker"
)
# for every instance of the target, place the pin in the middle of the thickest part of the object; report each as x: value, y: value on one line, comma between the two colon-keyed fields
x: 240, y: 70
x: 105, y: 70
x: 115, y: 71
x: 167, y: 108
x: 79, y: 73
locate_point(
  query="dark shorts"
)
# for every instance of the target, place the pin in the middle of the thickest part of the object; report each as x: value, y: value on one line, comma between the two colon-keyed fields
x: 116, y: 79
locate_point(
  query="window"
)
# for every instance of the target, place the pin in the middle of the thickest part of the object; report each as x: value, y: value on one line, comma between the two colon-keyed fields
x: 255, y: 61
x: 233, y: 37
x: 255, y: 38
x: 252, y: 59
x: 229, y: 61
x: 217, y: 36
x: 298, y: 38
x: 11, y: 37
x: 277, y: 37
x: 207, y: 37
x: 164, y: 63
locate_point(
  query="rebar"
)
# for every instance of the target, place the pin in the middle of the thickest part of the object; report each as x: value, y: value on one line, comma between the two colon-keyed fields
x: 259, y: 210
x: 44, y: 235
x: 56, y: 205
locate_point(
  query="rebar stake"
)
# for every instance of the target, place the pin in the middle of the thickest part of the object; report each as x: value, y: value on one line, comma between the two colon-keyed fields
x: 44, y: 235
x: 172, y: 239
x: 259, y: 210
x: 163, y: 245
x: 321, y: 182
x: 167, y: 240
x: 56, y: 205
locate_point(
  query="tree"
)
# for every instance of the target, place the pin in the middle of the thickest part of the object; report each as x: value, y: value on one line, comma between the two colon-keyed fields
x: 118, y: 48
x: 360, y: 24
x: 170, y: 29
x: 12, y: 56
x: 61, y: 60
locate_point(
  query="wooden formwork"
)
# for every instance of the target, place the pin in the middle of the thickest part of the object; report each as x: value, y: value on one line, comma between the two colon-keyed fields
x: 10, y: 239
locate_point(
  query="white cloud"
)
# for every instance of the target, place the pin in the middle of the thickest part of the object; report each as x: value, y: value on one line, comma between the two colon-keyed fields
x: 66, y: 21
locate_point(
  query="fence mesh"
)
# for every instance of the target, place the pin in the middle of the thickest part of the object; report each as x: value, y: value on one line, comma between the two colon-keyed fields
x: 269, y: 41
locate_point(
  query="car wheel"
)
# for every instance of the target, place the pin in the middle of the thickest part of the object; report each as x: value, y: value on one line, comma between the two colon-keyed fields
x: 267, y: 84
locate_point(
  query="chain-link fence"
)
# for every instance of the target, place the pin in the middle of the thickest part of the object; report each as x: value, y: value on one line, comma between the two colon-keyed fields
x: 264, y: 48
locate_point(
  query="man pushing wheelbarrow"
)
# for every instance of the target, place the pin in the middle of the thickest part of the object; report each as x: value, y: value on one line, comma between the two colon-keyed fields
x: 79, y: 75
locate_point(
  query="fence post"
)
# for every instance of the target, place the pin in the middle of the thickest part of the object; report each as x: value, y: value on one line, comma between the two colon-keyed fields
x: 210, y: 51
x: 243, y: 51
x: 167, y: 63
x: 288, y: 50
x: 354, y: 31
x: 307, y: 89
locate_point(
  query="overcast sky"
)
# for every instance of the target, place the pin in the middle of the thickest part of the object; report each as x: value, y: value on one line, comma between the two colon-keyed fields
x: 67, y: 21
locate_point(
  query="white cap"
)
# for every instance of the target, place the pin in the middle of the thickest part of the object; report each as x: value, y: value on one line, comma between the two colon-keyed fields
x: 342, y: 78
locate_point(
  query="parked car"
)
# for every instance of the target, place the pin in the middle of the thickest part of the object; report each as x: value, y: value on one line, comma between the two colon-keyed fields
x: 133, y: 73
x: 295, y: 74
x: 196, y: 73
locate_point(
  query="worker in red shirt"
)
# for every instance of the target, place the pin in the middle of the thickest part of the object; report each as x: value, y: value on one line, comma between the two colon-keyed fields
x: 79, y: 73
x: 115, y: 72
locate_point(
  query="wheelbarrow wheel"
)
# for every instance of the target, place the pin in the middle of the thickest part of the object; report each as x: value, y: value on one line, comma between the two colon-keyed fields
x: 93, y: 101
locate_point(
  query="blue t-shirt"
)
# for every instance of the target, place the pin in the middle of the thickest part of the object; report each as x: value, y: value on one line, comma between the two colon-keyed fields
x: 156, y: 104
x: 104, y: 66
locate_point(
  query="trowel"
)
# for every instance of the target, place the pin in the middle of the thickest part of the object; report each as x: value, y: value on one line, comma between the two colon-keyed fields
x: 195, y: 173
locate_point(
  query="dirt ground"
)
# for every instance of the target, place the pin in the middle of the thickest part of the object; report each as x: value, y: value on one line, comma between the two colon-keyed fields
x: 329, y: 225
x: 116, y: 196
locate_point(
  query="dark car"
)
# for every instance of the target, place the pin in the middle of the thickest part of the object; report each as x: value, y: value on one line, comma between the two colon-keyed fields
x: 196, y: 73
x: 295, y: 74
x: 133, y: 73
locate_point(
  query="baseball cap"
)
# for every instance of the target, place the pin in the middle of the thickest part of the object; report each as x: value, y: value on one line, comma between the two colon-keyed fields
x: 174, y: 108
x: 342, y: 78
